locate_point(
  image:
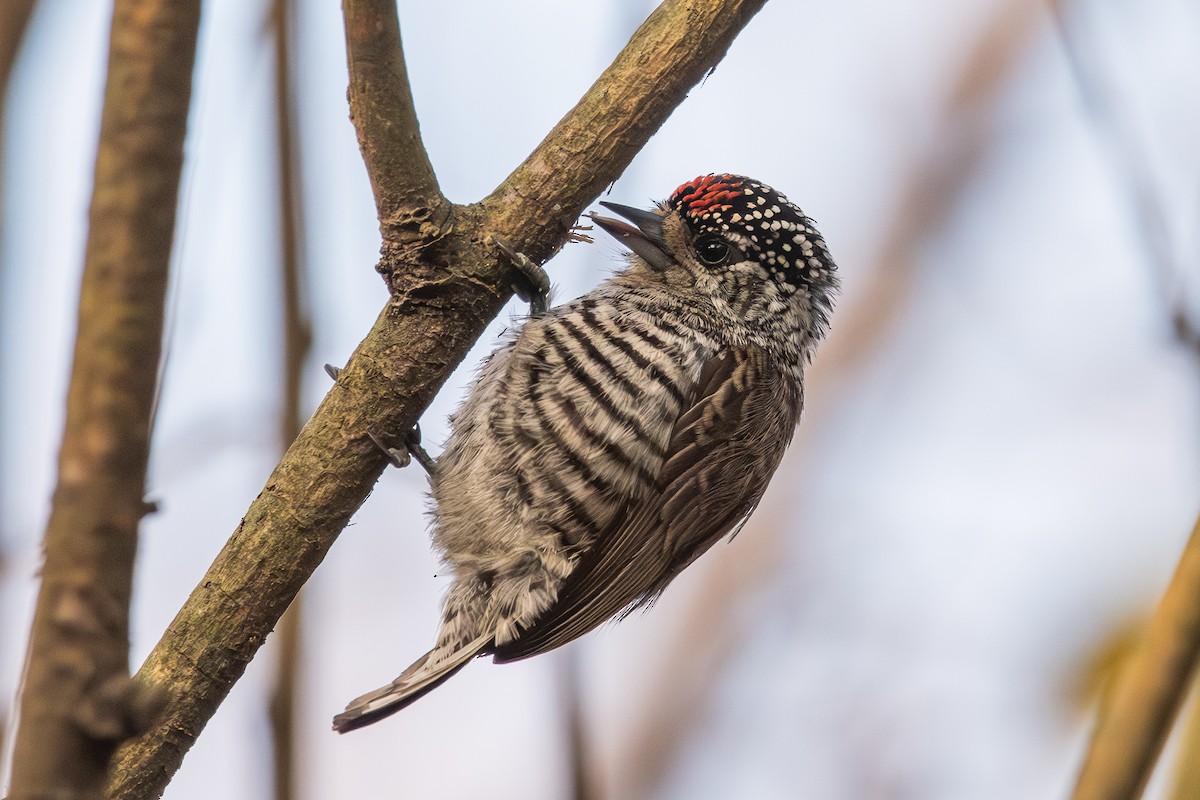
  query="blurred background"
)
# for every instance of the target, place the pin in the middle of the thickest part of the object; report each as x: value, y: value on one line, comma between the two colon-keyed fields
x: 998, y: 465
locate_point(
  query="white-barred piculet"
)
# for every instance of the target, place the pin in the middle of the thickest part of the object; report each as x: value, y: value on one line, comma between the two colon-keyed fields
x: 612, y: 440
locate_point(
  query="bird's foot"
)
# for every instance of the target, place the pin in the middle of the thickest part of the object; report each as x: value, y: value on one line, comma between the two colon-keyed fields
x: 534, y: 284
x: 399, y: 457
x: 402, y: 457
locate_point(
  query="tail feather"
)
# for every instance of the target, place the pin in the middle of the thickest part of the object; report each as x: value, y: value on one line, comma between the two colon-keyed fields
x: 415, y: 682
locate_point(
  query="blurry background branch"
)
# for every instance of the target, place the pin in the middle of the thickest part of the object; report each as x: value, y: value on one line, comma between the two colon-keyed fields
x: 891, y: 639
x: 1185, y: 782
x: 1137, y: 711
x: 687, y: 677
x: 586, y: 781
x: 447, y: 283
x: 941, y: 179
x: 1152, y: 682
x: 14, y: 19
x: 1130, y: 165
x: 78, y: 702
x: 296, y: 339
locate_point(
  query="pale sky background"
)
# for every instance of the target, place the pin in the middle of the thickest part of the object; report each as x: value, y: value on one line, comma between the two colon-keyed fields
x: 997, y: 467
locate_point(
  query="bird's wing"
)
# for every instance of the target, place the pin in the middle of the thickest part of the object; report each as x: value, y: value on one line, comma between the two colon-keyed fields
x: 724, y: 447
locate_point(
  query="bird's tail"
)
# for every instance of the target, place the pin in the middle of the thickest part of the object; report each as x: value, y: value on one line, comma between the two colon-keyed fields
x: 425, y: 675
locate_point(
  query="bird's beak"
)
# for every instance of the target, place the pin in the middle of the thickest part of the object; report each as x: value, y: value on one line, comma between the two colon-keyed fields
x: 646, y: 239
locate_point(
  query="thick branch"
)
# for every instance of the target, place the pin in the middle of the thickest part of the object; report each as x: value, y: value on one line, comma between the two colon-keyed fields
x: 1136, y: 714
x: 78, y: 702
x: 447, y: 284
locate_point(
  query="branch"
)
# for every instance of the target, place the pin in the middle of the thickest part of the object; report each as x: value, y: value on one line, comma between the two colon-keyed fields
x: 14, y: 19
x: 1132, y: 167
x: 296, y: 332
x: 585, y: 780
x: 78, y: 701
x: 935, y: 186
x: 407, y: 197
x: 1136, y: 715
x: 447, y: 283
x: 296, y: 340
x: 1185, y: 783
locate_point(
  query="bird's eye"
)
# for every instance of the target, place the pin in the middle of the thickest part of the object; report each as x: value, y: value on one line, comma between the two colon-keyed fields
x: 712, y: 250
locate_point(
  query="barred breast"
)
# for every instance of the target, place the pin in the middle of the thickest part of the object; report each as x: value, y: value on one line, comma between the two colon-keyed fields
x: 568, y: 427
x: 612, y: 441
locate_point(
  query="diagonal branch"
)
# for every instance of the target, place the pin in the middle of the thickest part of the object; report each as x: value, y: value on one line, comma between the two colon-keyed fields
x: 1138, y: 709
x: 78, y: 701
x: 447, y: 283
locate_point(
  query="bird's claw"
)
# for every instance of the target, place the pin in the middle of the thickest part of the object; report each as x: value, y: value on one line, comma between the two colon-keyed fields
x: 535, y: 286
x: 398, y: 458
x: 402, y: 457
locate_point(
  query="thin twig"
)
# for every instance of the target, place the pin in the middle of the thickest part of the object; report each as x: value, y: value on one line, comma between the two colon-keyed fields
x: 1131, y: 169
x: 78, y: 701
x: 447, y: 282
x: 935, y: 186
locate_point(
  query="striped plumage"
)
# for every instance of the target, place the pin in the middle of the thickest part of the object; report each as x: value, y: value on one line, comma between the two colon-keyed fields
x: 613, y: 439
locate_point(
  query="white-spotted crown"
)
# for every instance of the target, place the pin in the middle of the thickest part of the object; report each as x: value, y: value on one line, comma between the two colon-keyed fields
x: 735, y: 218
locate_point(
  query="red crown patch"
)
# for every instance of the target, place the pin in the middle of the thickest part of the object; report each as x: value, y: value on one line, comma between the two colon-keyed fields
x: 706, y: 194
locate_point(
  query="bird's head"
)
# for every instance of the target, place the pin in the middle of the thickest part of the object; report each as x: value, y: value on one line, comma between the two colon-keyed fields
x: 740, y: 242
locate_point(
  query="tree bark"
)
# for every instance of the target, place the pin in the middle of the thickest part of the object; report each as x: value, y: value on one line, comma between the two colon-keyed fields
x: 447, y: 282
x: 78, y: 701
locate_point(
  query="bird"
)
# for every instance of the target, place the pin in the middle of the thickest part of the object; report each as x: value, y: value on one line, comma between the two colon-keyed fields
x: 610, y: 441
